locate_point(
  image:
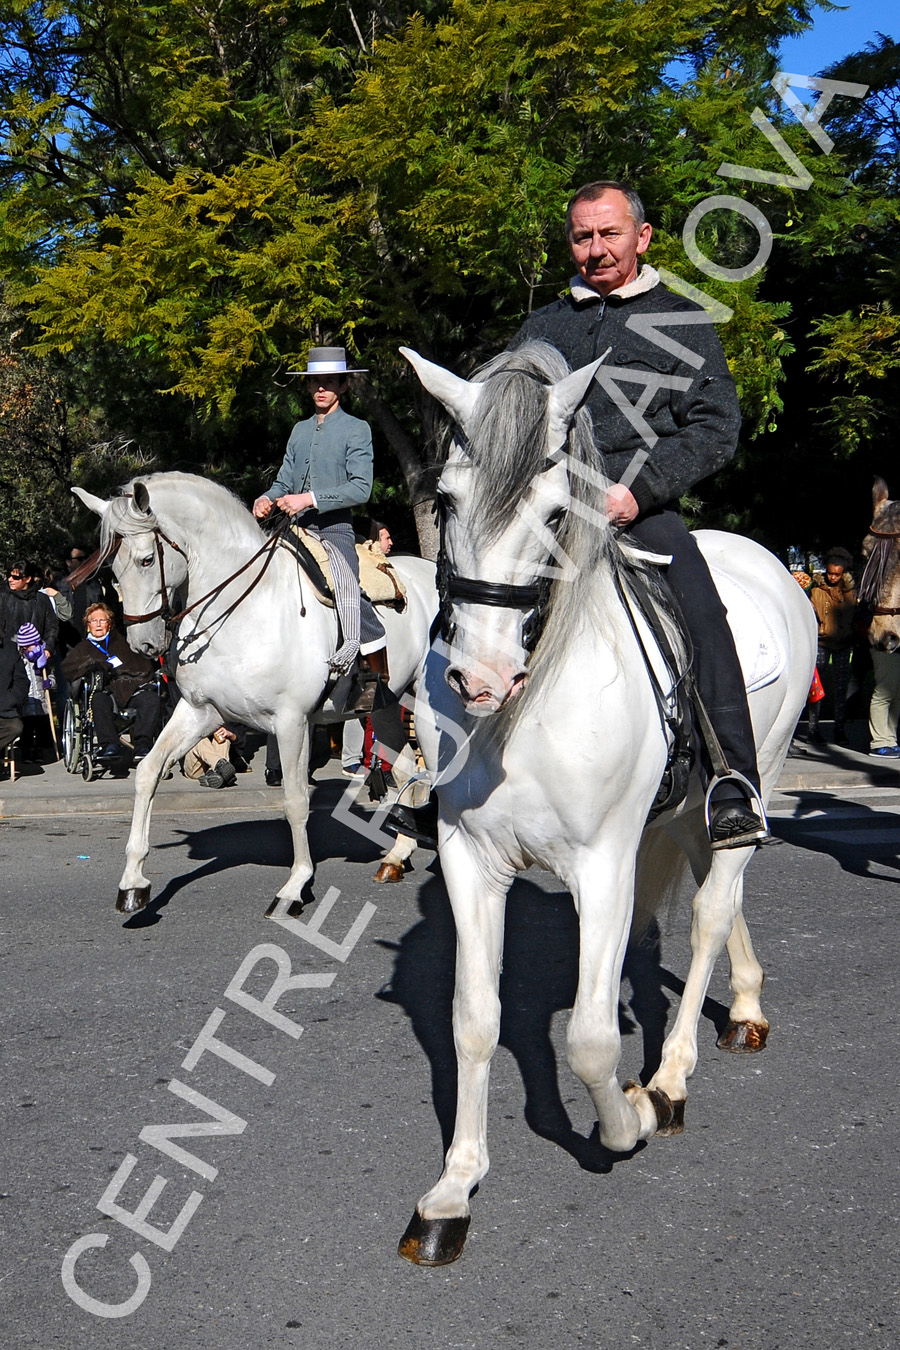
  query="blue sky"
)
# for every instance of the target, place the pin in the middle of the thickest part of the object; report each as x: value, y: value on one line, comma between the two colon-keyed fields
x: 835, y: 35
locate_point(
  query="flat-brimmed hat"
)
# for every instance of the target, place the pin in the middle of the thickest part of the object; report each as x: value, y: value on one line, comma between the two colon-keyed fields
x: 327, y: 361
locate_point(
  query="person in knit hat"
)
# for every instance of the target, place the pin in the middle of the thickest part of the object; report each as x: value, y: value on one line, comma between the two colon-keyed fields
x: 36, y: 734
x: 14, y: 686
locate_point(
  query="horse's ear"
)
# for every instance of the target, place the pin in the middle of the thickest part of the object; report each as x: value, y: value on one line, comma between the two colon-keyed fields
x: 458, y: 396
x: 95, y: 504
x: 879, y: 493
x: 566, y: 397
x: 142, y: 498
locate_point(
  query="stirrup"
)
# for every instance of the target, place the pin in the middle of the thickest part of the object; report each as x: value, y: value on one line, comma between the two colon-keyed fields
x: 418, y: 822
x: 758, y: 834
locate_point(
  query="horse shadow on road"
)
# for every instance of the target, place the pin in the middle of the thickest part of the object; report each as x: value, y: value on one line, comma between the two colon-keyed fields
x: 261, y: 840
x: 855, y: 842
x: 540, y: 976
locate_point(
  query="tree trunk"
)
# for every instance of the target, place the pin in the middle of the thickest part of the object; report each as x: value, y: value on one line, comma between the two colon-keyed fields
x: 418, y: 473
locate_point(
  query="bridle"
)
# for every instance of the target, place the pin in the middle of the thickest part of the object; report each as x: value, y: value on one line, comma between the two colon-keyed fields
x: 468, y: 590
x: 164, y: 609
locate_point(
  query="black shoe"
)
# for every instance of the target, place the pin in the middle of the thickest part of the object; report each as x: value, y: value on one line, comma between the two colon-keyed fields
x: 273, y: 778
x: 114, y: 750
x: 141, y: 751
x: 418, y: 822
x: 226, y: 772
x: 840, y: 736
x: 732, y: 824
x: 211, y: 779
x: 814, y: 737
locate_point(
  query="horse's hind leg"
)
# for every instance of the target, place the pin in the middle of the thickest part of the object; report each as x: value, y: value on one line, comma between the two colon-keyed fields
x: 747, y: 1027
x: 437, y: 1230
x: 716, y: 916
x: 183, y: 729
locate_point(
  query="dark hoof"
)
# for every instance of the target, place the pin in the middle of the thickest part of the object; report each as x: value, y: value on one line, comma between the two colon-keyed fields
x: 744, y: 1038
x: 664, y: 1109
x: 131, y: 900
x: 676, y: 1124
x: 389, y: 872
x: 433, y: 1242
x: 294, y: 909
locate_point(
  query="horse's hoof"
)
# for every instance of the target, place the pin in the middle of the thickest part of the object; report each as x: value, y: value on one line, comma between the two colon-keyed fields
x: 744, y: 1038
x: 433, y: 1242
x: 389, y: 872
x: 665, y: 1111
x: 294, y: 909
x: 132, y: 898
x: 676, y: 1124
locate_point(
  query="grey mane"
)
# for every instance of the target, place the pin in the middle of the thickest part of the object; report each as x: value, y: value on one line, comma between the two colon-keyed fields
x: 881, y: 556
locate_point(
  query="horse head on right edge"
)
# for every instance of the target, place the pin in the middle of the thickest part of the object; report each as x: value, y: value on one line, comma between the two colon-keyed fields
x: 879, y: 587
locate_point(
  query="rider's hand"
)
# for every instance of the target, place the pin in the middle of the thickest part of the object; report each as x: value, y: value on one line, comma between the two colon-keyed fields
x: 292, y: 503
x: 261, y: 507
x: 621, y: 506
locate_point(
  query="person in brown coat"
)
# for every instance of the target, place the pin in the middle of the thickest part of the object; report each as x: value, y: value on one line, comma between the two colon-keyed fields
x: 126, y: 684
x: 833, y: 597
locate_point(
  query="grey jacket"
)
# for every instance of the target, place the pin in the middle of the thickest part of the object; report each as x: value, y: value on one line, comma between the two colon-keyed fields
x: 686, y: 432
x: 333, y: 459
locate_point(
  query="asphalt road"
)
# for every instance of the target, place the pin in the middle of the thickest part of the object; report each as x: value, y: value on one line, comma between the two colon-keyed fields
x: 769, y: 1225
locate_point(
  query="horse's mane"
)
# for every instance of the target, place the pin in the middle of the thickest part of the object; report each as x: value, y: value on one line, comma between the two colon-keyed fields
x: 211, y: 501
x: 881, y: 555
x: 509, y: 446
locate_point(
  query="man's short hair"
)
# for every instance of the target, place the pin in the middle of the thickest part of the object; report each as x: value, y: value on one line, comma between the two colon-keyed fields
x: 92, y: 609
x: 590, y: 192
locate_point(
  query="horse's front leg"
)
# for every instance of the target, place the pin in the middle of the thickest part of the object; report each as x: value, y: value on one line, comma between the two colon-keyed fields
x: 184, y: 728
x: 603, y: 889
x: 437, y: 1230
x: 293, y: 747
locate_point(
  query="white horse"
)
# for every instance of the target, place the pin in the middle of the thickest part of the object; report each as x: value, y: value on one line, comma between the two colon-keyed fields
x: 566, y: 750
x: 257, y: 656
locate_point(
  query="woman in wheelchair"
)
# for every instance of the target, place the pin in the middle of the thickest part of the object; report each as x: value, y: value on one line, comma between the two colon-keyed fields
x: 126, y: 683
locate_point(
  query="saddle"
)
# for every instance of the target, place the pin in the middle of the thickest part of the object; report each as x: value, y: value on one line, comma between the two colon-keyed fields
x: 378, y: 579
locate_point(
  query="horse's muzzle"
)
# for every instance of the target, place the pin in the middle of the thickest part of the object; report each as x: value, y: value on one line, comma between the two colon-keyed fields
x: 484, y: 692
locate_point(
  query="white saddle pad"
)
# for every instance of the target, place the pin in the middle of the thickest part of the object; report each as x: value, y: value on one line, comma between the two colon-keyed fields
x: 761, y: 655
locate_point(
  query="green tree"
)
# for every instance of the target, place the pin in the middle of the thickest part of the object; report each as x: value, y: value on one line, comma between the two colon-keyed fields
x: 201, y: 193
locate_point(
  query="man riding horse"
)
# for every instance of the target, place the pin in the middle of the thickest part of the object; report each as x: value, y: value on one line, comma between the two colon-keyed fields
x: 683, y: 427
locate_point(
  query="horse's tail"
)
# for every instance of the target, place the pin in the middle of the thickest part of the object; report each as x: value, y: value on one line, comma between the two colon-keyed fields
x: 661, y: 866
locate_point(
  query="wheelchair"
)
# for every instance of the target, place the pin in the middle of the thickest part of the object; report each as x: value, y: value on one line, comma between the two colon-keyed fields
x: 80, y: 743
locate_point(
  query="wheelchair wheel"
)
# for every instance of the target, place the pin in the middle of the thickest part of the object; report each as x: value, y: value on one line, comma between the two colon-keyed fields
x: 71, y: 737
x: 88, y: 772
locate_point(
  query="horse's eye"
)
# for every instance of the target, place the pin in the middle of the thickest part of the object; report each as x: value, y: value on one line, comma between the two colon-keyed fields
x: 146, y: 562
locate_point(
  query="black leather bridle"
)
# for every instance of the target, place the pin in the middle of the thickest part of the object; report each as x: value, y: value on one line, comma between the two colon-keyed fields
x: 468, y: 590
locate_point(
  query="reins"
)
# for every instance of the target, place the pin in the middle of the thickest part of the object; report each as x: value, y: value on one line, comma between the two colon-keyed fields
x: 164, y: 610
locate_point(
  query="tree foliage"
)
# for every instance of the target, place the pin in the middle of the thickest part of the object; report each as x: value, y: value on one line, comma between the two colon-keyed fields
x: 194, y: 193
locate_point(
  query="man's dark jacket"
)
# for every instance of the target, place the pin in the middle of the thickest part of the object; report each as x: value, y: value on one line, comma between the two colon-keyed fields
x: 121, y: 681
x: 14, y: 683
x: 697, y: 427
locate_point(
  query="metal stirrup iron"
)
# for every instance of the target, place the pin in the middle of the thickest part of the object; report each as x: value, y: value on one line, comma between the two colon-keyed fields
x: 723, y: 773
